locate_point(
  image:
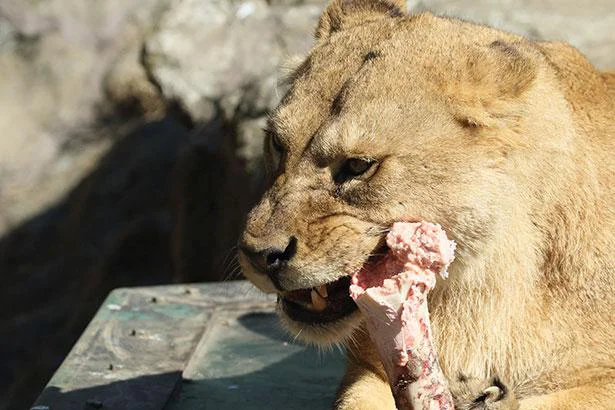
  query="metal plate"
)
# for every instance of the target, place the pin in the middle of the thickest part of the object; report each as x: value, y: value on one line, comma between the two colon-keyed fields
x: 245, y: 361
x: 209, y: 346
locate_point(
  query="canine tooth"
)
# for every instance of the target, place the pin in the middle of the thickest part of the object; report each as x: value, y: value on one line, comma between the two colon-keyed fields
x: 322, y: 291
x: 318, y: 302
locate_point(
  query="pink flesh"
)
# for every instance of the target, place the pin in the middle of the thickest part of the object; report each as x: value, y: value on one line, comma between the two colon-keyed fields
x: 393, y: 297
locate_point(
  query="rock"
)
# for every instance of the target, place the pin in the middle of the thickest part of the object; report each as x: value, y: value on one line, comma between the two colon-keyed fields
x: 7, y: 35
x: 54, y: 56
x: 225, y: 54
x: 221, y: 60
x: 128, y: 87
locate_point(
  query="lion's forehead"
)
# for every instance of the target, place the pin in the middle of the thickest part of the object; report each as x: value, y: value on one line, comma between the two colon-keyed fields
x: 361, y: 81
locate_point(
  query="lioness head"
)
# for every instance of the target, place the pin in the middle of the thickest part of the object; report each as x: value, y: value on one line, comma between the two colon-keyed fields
x: 396, y: 117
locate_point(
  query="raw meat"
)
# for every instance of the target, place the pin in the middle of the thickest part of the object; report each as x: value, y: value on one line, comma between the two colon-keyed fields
x: 392, y: 295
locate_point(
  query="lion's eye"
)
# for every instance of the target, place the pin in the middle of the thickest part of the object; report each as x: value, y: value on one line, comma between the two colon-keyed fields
x: 275, y: 143
x: 356, y: 168
x: 276, y: 150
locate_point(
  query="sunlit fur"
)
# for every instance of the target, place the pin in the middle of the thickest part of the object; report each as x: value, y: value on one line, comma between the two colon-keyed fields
x: 507, y: 143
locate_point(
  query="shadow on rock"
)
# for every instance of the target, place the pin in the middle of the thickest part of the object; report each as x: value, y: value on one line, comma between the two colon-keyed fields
x: 114, y: 229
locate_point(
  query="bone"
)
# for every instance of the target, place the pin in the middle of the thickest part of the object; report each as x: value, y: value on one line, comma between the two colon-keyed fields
x: 393, y: 298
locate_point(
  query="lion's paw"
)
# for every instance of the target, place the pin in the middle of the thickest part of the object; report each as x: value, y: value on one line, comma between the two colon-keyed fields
x: 482, y: 394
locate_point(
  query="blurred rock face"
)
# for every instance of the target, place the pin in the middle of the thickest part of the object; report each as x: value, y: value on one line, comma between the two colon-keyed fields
x: 226, y: 54
x: 219, y: 63
x: 54, y: 56
x: 129, y: 154
x: 131, y: 139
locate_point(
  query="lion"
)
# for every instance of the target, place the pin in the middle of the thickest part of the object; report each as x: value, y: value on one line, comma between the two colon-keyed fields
x: 506, y: 143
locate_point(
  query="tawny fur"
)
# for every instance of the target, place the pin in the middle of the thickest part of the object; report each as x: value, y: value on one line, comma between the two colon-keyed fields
x: 507, y: 143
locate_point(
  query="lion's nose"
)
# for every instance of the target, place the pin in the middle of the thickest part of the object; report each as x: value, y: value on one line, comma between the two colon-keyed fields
x: 272, y: 259
x: 276, y: 259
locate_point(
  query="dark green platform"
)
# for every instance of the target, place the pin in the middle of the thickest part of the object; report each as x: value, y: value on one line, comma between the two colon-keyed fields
x: 210, y: 346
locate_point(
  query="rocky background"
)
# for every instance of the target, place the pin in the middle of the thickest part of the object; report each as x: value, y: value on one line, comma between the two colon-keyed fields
x: 130, y: 145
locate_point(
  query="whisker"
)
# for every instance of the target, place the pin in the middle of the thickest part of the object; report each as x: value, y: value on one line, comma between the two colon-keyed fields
x: 377, y: 230
x: 297, y: 335
x: 339, y: 347
x: 232, y: 271
x: 232, y: 254
x: 235, y: 274
x: 276, y: 86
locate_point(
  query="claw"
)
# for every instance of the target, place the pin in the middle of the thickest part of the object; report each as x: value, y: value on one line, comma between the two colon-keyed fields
x: 492, y: 393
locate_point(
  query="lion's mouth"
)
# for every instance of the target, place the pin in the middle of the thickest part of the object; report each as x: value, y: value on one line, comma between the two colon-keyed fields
x: 321, y: 304
x: 325, y: 303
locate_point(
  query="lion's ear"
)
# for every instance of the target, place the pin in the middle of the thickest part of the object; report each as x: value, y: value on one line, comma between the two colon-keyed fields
x: 341, y: 14
x: 488, y: 89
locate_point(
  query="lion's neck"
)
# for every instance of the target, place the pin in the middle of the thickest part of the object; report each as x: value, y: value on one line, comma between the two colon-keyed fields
x: 494, y: 316
x: 521, y: 302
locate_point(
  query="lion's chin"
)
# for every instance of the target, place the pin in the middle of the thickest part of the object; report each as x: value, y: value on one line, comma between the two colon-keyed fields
x: 324, y: 335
